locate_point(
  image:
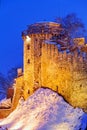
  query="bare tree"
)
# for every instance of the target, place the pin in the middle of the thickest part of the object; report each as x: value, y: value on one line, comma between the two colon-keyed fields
x: 72, y: 27
x: 6, y: 82
x: 11, y: 75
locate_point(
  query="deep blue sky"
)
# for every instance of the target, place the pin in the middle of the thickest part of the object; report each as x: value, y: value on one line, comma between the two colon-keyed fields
x: 15, y: 15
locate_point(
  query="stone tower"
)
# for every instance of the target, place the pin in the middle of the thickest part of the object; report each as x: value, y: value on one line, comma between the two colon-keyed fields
x: 33, y: 38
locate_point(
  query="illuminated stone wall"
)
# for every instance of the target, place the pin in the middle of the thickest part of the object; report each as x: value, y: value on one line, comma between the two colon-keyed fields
x: 65, y: 73
x: 55, y: 68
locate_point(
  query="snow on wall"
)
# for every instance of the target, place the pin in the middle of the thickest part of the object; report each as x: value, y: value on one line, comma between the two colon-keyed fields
x: 45, y: 110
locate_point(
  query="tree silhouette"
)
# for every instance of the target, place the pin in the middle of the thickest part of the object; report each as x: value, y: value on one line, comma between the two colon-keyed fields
x: 72, y: 27
x: 11, y: 75
x: 6, y: 82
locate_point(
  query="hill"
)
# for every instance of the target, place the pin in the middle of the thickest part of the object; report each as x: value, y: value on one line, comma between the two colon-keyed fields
x: 45, y: 110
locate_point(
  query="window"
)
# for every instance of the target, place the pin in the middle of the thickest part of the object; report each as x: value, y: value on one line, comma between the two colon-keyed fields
x: 28, y: 61
x: 28, y: 47
x: 28, y: 91
x: 36, y: 40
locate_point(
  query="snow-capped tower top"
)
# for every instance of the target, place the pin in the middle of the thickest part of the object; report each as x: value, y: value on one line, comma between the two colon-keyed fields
x: 43, y: 27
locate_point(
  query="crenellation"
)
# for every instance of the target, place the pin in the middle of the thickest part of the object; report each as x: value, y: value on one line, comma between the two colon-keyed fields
x: 48, y: 50
x: 81, y: 59
x: 64, y: 55
x: 60, y: 56
x: 69, y: 55
x: 56, y: 52
x: 52, y: 50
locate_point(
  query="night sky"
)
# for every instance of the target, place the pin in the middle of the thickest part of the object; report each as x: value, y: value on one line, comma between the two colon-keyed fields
x: 15, y: 15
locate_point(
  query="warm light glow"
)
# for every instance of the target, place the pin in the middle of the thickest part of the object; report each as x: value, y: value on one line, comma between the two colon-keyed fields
x: 28, y: 38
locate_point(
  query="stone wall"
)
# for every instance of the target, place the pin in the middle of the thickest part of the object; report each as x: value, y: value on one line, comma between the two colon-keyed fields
x: 55, y: 72
x: 65, y: 73
x: 18, y: 91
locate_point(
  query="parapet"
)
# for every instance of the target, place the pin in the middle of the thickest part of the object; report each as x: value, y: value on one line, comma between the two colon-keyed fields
x: 79, y: 41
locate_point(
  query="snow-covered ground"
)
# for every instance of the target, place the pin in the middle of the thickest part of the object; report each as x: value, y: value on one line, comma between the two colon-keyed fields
x: 45, y: 110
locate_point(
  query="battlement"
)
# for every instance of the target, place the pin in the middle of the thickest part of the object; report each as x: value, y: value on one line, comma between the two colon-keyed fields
x: 52, y: 50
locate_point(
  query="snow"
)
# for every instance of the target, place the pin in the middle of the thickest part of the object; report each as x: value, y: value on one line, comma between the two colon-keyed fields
x: 50, y: 42
x: 45, y: 110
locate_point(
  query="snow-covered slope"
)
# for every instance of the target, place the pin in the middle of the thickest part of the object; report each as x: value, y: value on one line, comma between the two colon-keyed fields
x: 45, y: 110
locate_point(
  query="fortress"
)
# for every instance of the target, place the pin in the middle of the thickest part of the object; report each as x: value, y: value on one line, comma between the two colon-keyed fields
x: 50, y: 64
